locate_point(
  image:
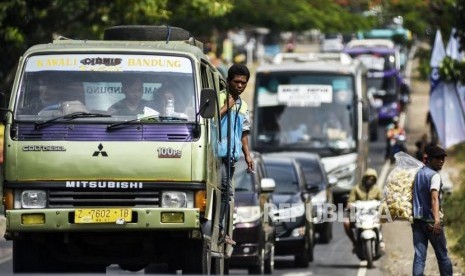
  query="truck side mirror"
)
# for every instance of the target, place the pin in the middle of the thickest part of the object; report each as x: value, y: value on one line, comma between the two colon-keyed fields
x: 207, y: 103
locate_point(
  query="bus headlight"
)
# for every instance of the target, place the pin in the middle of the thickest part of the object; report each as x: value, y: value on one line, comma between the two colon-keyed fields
x: 33, y: 199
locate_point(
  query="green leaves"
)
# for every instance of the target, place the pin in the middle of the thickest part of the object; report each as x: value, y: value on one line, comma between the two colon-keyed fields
x: 452, y: 70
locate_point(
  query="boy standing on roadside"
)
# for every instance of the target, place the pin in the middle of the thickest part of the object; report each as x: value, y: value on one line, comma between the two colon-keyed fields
x: 427, y: 213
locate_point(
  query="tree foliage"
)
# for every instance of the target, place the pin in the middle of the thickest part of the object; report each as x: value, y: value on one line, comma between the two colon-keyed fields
x: 24, y: 23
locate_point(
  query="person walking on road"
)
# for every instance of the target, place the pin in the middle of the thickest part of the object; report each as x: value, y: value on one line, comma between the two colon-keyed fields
x: 239, y: 121
x: 427, y: 213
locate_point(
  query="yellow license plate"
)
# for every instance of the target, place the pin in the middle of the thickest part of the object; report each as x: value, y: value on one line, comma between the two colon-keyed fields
x: 111, y: 215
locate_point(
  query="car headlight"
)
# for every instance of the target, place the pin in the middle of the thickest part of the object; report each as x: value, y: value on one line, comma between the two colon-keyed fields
x: 33, y: 199
x: 298, y: 232
x: 345, y: 174
x: 247, y: 214
x: 176, y: 199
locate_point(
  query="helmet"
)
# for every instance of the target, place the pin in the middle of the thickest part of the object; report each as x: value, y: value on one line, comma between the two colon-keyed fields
x: 395, y: 119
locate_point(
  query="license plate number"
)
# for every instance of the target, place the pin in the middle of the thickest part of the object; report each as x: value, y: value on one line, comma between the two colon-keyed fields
x: 102, y: 215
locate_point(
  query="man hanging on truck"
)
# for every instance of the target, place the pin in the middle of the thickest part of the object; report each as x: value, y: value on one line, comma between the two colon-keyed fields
x: 238, y: 116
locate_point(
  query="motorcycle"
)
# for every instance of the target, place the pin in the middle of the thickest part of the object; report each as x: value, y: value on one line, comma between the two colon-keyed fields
x: 367, y: 230
x: 397, y: 144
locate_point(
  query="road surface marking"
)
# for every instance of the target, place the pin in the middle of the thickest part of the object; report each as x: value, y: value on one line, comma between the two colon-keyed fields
x: 362, y: 271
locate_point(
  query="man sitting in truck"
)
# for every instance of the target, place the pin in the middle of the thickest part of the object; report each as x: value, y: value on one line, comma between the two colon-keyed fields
x: 133, y: 103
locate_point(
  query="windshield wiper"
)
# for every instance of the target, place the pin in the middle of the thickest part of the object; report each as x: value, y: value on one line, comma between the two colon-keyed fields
x: 155, y: 118
x: 70, y: 116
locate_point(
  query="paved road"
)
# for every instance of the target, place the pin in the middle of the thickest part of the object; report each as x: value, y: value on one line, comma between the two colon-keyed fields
x: 334, y: 258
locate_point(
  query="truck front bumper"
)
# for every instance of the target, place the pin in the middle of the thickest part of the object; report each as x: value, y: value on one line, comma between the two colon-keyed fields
x: 62, y: 220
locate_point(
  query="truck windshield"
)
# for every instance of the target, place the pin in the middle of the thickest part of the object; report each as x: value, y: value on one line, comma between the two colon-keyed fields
x: 304, y: 111
x: 122, y: 86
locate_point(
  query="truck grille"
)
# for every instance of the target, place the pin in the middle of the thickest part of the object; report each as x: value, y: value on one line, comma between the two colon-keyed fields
x: 67, y: 198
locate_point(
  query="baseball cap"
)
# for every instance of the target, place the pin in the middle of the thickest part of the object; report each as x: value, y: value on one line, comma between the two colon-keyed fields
x: 435, y: 151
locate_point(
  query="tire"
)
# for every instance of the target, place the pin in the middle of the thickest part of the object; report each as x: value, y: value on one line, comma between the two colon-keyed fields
x: 32, y: 257
x: 302, y: 259
x: 327, y: 233
x: 259, y: 268
x: 269, y: 262
x: 159, y: 269
x: 26, y: 257
x: 146, y: 33
x: 198, y: 259
x: 368, y: 252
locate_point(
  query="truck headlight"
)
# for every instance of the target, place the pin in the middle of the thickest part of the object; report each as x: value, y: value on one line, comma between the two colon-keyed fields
x: 247, y: 214
x: 33, y: 199
x: 176, y: 199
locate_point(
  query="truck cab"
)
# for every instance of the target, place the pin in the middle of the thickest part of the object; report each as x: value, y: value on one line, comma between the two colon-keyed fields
x: 97, y: 172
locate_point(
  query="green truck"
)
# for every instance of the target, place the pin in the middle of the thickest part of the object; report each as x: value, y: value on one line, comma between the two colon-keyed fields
x: 85, y: 187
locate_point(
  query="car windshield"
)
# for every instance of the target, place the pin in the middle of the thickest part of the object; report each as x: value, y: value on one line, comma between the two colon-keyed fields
x: 285, y: 178
x: 304, y: 111
x: 312, y: 172
x: 243, y: 181
x: 122, y: 86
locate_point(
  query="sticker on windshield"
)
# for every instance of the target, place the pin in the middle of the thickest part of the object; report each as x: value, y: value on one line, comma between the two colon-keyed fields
x: 108, y: 62
x: 305, y: 95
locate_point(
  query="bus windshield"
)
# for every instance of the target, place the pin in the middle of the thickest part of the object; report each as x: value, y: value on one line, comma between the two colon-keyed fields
x: 304, y: 111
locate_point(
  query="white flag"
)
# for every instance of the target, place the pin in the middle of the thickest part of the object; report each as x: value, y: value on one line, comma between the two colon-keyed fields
x: 452, y: 49
x: 438, y: 52
x: 437, y: 56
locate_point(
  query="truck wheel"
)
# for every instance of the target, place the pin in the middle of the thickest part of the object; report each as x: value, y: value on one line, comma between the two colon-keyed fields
x: 146, y: 33
x: 30, y: 256
x: 198, y: 258
x: 27, y: 257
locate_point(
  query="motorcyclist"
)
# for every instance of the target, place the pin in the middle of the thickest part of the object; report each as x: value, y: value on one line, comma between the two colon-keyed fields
x: 366, y: 190
x: 392, y: 130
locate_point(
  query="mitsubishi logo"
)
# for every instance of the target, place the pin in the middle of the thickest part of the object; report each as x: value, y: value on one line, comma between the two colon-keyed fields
x: 96, y: 153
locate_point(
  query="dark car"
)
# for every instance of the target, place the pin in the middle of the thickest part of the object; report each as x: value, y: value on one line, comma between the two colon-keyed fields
x: 291, y: 209
x: 253, y: 230
x: 320, y: 189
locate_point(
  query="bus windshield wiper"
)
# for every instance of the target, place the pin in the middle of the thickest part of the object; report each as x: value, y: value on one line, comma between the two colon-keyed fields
x: 71, y: 116
x: 155, y: 118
